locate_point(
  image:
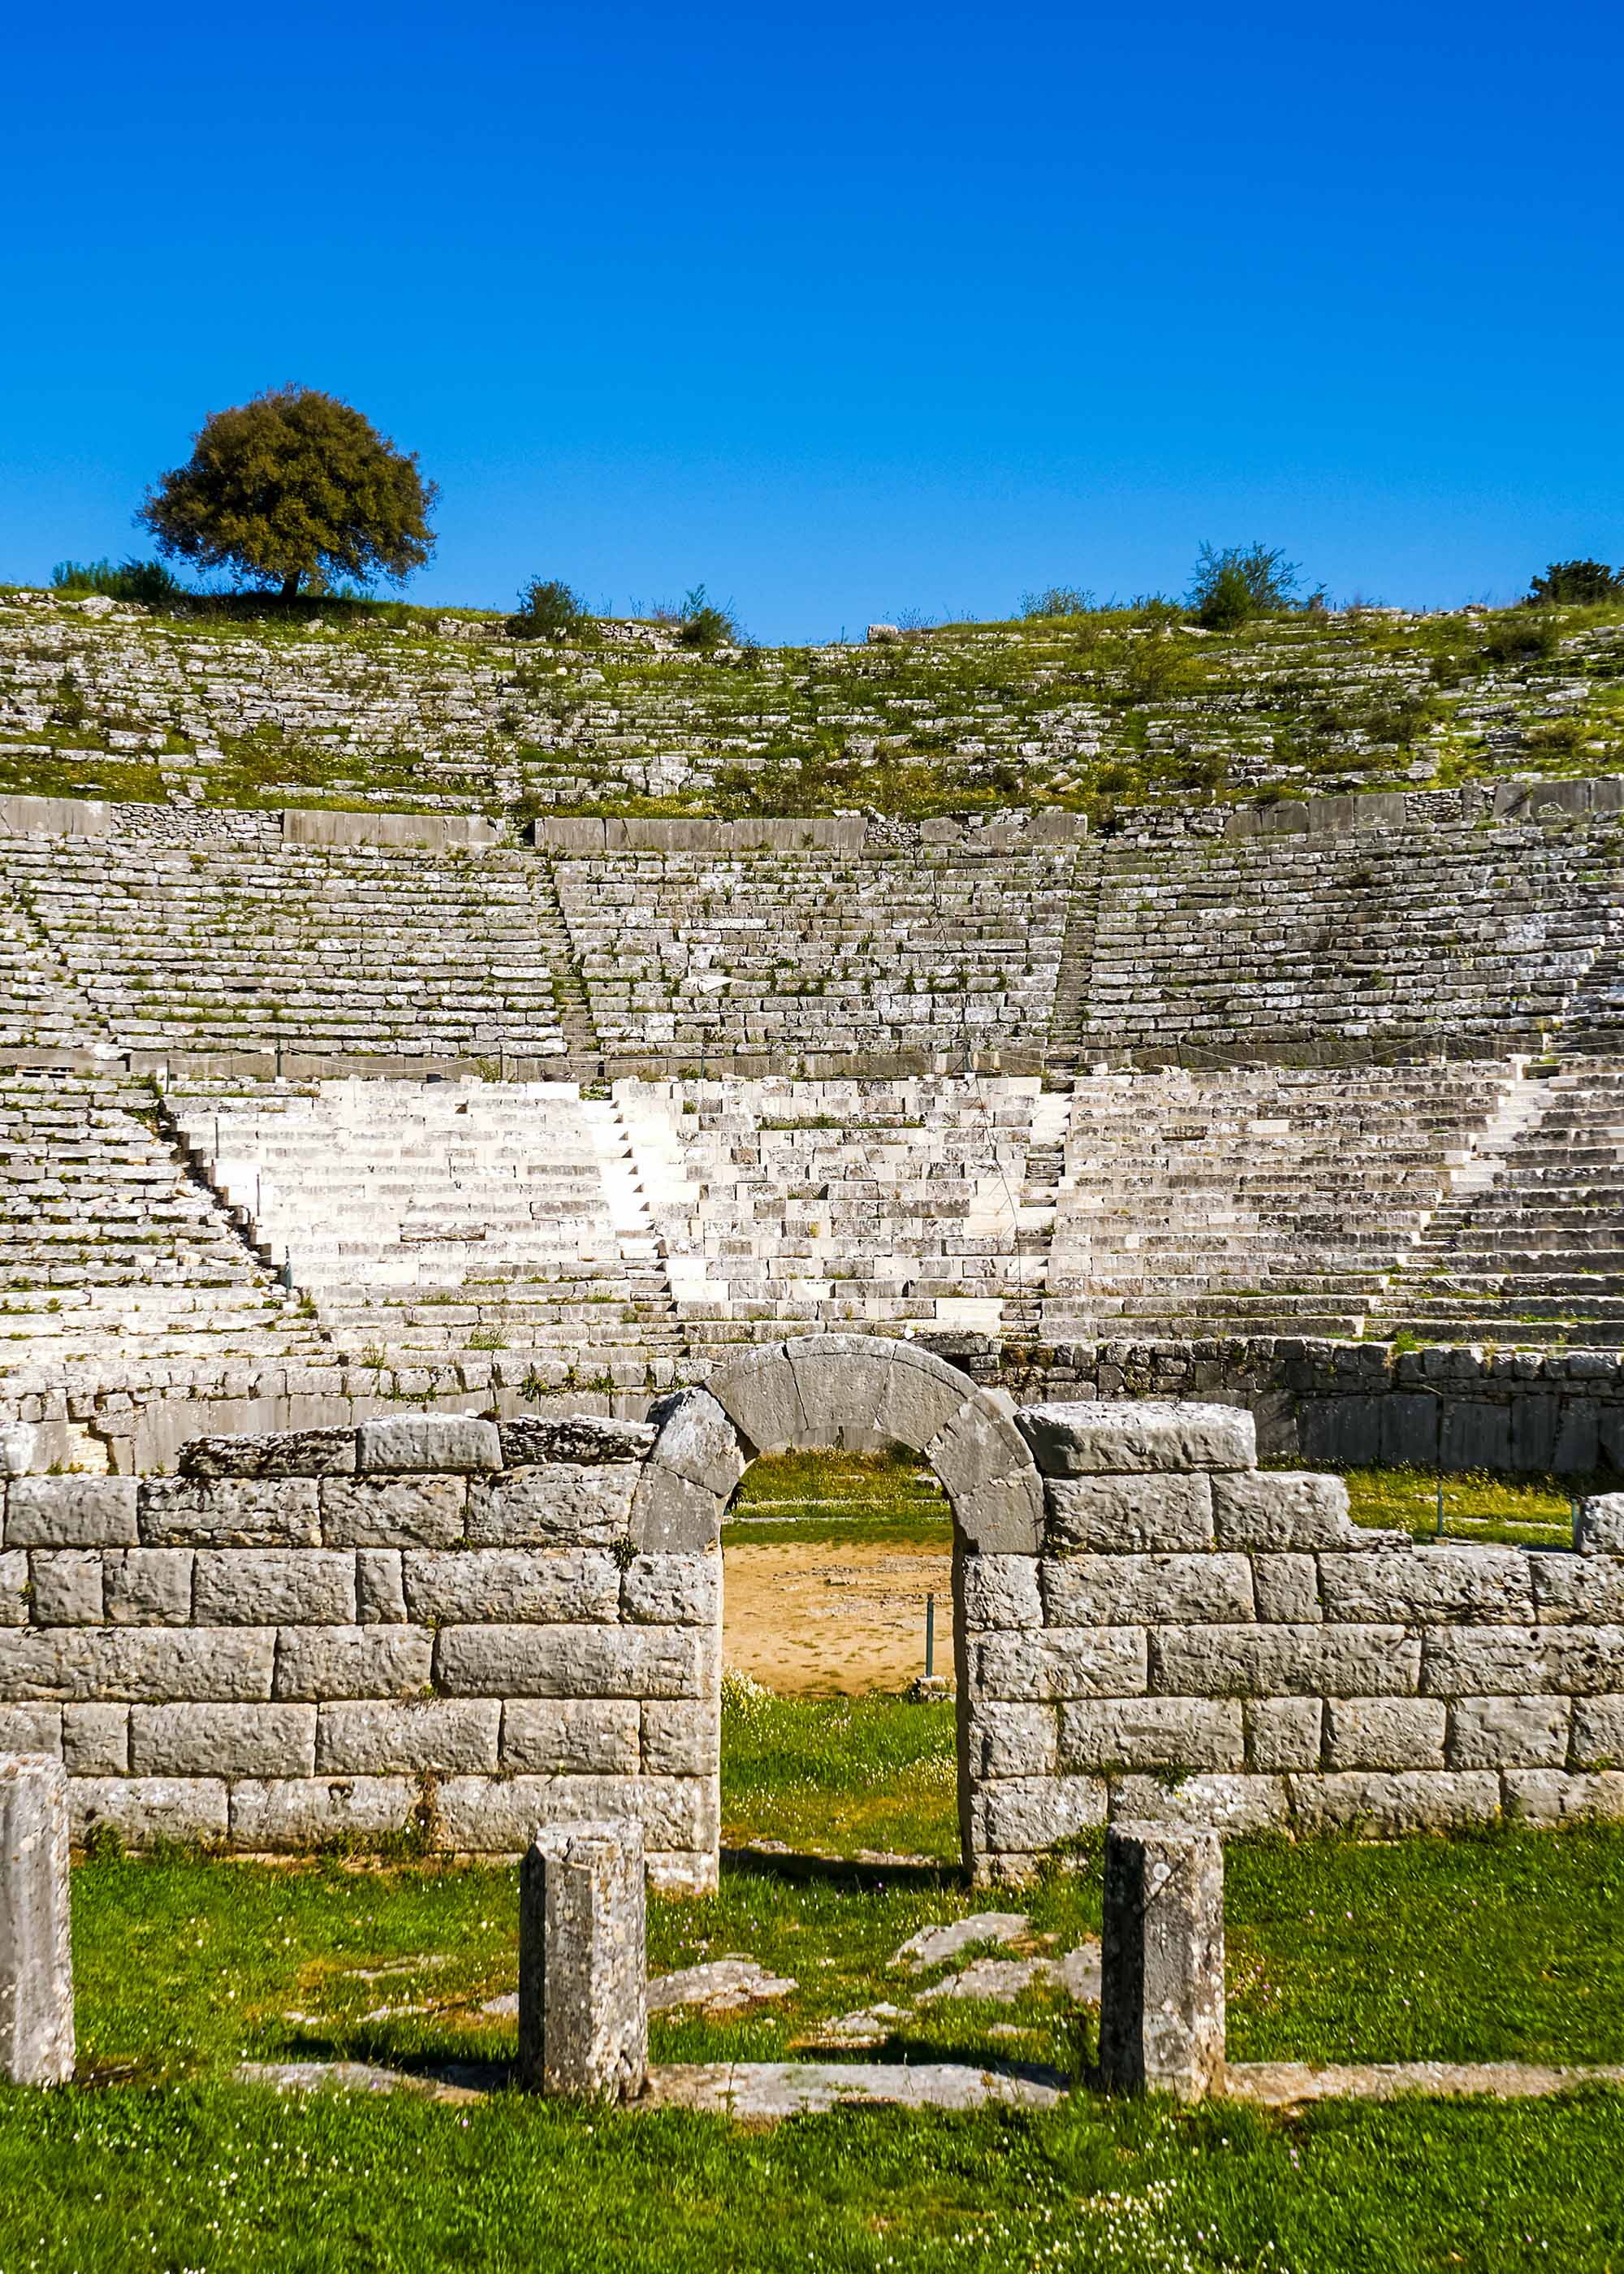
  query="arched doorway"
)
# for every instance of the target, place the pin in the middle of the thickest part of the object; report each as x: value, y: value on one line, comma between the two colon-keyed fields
x: 851, y: 1393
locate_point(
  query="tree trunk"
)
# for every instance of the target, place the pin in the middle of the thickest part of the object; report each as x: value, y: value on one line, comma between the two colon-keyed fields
x: 290, y: 586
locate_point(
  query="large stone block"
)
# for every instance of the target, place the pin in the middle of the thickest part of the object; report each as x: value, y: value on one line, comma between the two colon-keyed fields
x: 1002, y: 1591
x: 145, y: 1812
x: 450, y: 1736
x: 15, y: 1588
x: 1274, y: 1510
x: 1161, y: 2004
x: 499, y: 1815
x: 222, y: 1741
x: 1578, y: 1589
x: 1282, y: 1733
x: 151, y: 1663
x: 377, y: 1661
x: 273, y: 1586
x: 71, y: 1512
x: 36, y: 1969
x: 1437, y: 1586
x: 1600, y: 1529
x: 697, y: 1441
x: 1384, y: 1732
x: 419, y: 1444
x: 231, y: 1512
x: 1237, y: 1804
x: 673, y: 1590
x: 394, y: 1511
x: 1151, y: 1733
x: 1516, y: 1662
x: 557, y: 1661
x: 282, y: 1453
x: 1548, y: 1797
x: 562, y: 1585
x: 761, y: 1397
x: 578, y: 1736
x: 147, y: 1587
x: 95, y: 1739
x: 1123, y: 1516
x: 1286, y: 1590
x: 1094, y: 1437
x: 1508, y: 1733
x: 1598, y: 1734
x: 681, y: 1737
x: 1380, y: 1803
x: 583, y: 2020
x: 31, y: 1729
x: 1063, y: 1662
x: 1023, y: 1816
x: 863, y: 1394
x: 67, y: 1587
x: 585, y: 1440
x: 1011, y: 1740
x: 297, y: 1813
x: 380, y: 1587
x: 1099, y: 1591
x: 560, y: 1506
x: 987, y: 1473
x: 1284, y: 1661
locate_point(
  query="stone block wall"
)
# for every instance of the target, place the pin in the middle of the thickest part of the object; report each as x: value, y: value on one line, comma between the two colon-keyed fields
x: 434, y: 1626
x: 1201, y: 1640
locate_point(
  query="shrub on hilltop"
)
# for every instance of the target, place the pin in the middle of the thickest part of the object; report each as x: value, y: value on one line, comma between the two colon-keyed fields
x: 701, y: 624
x: 292, y: 489
x: 549, y: 609
x: 147, y: 581
x: 1229, y: 587
x: 1578, y: 584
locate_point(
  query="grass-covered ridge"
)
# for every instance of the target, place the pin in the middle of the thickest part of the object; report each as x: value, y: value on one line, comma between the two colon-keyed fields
x: 247, y: 702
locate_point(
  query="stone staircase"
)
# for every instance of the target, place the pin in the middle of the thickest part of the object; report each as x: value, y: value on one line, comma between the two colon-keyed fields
x: 1272, y: 1201
x: 1531, y: 1250
x: 428, y: 1220
x: 114, y: 1263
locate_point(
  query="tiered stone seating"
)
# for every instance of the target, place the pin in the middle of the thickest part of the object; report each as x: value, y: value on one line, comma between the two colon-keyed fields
x: 39, y: 1010
x: 1375, y: 942
x: 864, y: 1205
x: 428, y: 1220
x: 1534, y: 1252
x: 698, y: 956
x: 1269, y: 1201
x: 359, y: 950
x: 111, y: 1256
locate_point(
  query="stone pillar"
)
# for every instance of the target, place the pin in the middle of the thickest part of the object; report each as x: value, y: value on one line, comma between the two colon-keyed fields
x: 583, y: 2012
x: 36, y: 1972
x: 1161, y: 1990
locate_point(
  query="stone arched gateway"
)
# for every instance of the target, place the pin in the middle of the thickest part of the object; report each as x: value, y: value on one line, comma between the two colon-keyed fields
x: 851, y: 1393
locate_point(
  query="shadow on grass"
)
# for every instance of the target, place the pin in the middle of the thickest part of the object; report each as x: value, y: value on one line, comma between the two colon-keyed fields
x: 797, y: 1870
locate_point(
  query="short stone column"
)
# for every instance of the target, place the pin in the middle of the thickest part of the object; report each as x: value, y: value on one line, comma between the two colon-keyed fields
x: 36, y: 1969
x: 583, y: 2011
x: 1162, y: 1961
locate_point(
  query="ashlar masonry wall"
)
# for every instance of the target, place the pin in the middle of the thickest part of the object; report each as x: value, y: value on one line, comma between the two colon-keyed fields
x: 427, y: 1623
x: 1201, y: 1639
x: 467, y: 1629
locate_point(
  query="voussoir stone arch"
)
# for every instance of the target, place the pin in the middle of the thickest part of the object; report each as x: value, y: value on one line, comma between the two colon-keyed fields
x: 854, y: 1393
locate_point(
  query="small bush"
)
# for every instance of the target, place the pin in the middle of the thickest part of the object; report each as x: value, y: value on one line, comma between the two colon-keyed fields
x: 147, y: 581
x: 1056, y: 600
x: 1578, y: 584
x: 1229, y: 587
x: 701, y: 624
x: 1519, y: 639
x: 549, y: 609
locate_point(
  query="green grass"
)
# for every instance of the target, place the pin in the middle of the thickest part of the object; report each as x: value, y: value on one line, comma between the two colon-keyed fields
x: 888, y: 1497
x: 1533, y: 1512
x: 1502, y: 1947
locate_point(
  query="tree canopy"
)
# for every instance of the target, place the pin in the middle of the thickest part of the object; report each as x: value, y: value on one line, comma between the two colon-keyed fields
x: 294, y: 488
x: 1580, y: 583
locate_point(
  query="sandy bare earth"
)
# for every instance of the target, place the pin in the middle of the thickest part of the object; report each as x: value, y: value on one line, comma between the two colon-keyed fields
x: 823, y: 1617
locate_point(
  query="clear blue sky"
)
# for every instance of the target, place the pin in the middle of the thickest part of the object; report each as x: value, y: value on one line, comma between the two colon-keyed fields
x: 843, y: 311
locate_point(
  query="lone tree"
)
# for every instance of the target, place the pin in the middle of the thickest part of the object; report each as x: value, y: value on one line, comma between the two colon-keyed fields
x: 1229, y: 587
x: 294, y: 488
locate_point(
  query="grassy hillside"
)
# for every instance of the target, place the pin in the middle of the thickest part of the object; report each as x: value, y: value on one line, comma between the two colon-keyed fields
x: 249, y: 704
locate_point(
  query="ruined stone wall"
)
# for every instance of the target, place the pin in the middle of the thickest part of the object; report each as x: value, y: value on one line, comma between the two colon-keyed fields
x: 426, y: 1627
x: 1199, y: 1639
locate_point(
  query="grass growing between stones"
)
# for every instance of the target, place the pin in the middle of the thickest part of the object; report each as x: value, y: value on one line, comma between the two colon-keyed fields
x: 1506, y: 1945
x: 1535, y: 1512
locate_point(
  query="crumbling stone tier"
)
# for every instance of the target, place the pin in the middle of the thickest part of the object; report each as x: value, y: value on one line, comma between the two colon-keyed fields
x: 469, y: 1629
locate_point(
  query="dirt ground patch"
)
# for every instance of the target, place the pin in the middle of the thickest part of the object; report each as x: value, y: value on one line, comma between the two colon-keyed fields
x: 832, y: 1619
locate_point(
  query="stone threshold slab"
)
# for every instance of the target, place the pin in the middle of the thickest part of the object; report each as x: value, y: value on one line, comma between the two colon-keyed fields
x: 1290, y: 2084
